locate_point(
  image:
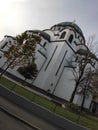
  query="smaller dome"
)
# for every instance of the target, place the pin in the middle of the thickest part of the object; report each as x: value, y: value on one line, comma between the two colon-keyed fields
x: 75, y: 26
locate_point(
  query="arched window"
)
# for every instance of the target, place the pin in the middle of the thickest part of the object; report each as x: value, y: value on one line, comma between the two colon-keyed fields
x: 44, y: 44
x: 70, y: 38
x: 63, y: 35
x: 4, y: 45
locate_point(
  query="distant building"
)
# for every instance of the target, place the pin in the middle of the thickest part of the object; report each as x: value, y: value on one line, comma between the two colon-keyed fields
x: 54, y: 54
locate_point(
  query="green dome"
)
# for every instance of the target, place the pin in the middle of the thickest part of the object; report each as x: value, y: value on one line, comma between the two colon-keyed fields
x: 71, y: 24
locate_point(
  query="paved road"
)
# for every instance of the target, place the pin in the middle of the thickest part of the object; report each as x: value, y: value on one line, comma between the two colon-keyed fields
x: 9, y: 123
x: 29, y: 117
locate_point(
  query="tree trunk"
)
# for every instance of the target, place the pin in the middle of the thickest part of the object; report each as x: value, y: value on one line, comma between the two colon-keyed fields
x: 73, y: 93
x: 77, y: 83
x: 82, y: 104
x: 84, y: 96
x: 7, y: 68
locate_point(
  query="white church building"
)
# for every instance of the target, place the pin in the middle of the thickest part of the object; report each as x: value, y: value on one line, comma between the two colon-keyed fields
x: 56, y: 50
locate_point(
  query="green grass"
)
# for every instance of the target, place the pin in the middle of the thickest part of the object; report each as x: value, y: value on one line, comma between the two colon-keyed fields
x: 85, y: 120
x: 88, y: 123
x: 7, y: 83
x: 67, y: 114
x: 21, y: 91
x: 27, y: 94
x: 45, y: 103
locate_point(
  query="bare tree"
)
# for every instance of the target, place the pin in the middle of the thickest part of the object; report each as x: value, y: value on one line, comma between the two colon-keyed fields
x: 86, y: 86
x: 92, y: 44
x: 95, y: 81
x: 84, y: 58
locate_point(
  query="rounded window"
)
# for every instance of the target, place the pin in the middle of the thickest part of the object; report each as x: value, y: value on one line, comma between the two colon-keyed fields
x: 63, y: 35
x: 70, y: 38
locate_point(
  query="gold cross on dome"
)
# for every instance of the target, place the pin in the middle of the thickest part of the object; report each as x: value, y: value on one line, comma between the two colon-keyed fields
x: 73, y: 21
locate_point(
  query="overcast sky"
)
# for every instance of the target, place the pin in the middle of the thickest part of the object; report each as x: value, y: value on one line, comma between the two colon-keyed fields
x: 16, y: 16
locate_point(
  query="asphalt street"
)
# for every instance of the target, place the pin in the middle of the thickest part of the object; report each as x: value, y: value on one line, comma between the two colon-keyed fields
x: 7, y: 123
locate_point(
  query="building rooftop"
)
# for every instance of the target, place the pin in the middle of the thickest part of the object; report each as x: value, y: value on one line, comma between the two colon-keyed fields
x: 71, y: 24
x: 42, y: 33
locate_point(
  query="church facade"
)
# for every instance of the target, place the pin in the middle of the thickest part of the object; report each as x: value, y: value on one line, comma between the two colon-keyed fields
x: 55, y: 58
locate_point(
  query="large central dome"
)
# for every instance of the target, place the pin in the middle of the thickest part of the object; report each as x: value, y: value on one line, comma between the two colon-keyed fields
x: 71, y: 24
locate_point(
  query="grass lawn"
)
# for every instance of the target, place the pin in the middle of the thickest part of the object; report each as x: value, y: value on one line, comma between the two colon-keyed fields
x: 85, y: 120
